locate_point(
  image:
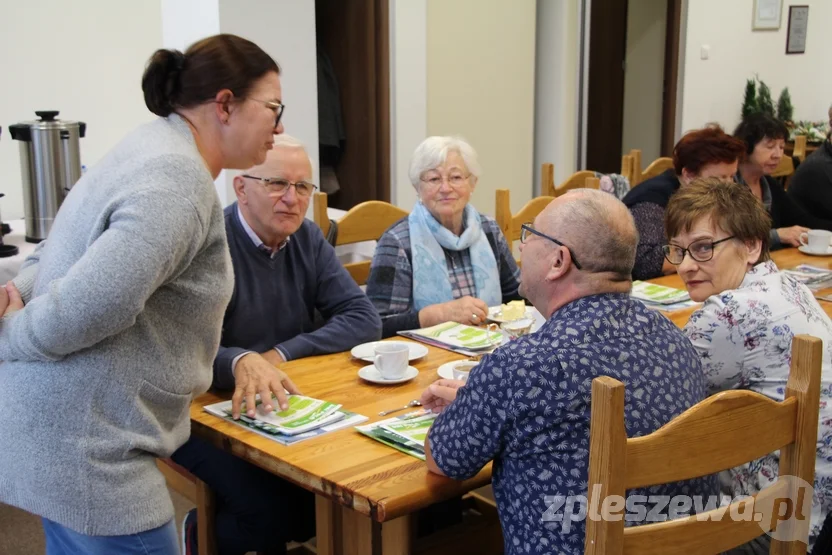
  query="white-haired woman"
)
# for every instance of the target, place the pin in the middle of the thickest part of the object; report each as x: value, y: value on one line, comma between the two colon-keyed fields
x: 445, y: 261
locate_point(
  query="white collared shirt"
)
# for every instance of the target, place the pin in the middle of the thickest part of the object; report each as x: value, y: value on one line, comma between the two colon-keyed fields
x: 256, y: 238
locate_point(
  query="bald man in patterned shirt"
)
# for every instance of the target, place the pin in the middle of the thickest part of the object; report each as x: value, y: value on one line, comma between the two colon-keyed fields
x: 527, y: 405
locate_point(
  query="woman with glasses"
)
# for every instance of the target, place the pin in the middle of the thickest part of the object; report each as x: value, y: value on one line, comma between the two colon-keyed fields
x: 124, y: 304
x: 765, y: 138
x: 445, y: 261
x: 708, y: 152
x: 718, y: 241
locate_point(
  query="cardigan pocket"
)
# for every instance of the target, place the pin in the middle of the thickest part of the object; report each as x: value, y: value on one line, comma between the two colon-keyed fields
x: 159, y: 421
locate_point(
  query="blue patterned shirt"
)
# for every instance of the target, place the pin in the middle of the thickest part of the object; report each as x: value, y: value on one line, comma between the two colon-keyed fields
x: 527, y: 408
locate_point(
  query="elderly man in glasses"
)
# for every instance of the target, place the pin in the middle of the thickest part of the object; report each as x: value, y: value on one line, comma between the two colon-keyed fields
x: 284, y: 271
x: 527, y: 405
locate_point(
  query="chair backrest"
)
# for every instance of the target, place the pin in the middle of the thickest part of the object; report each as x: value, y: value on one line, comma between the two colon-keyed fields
x: 547, y: 179
x: 659, y: 165
x: 510, y: 223
x: 799, y: 147
x: 720, y: 432
x: 628, y: 169
x: 364, y: 222
x: 579, y: 180
x: 785, y: 168
x: 635, y: 154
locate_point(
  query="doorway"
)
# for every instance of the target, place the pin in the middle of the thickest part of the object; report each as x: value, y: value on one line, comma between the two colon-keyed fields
x: 354, y: 85
x: 632, y: 85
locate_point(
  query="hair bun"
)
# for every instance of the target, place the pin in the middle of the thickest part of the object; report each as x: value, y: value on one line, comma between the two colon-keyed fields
x: 161, y: 81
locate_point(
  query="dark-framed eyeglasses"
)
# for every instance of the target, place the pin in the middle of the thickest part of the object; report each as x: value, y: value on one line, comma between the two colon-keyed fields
x: 277, y: 186
x: 276, y: 107
x: 700, y: 250
x: 528, y: 228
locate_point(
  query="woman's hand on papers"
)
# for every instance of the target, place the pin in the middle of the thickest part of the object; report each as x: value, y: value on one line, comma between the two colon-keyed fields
x: 440, y: 394
x: 254, y: 374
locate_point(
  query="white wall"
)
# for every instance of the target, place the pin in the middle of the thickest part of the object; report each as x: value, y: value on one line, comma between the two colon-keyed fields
x: 556, y: 90
x: 186, y: 21
x: 480, y: 84
x: 643, y: 78
x: 408, y: 93
x: 84, y: 58
x: 286, y: 30
x: 713, y: 88
x: 183, y: 23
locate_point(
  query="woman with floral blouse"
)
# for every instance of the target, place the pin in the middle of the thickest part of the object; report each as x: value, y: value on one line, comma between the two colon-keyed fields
x: 719, y: 242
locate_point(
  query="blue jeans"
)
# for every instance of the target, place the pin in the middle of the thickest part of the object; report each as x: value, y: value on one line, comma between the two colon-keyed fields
x: 60, y: 540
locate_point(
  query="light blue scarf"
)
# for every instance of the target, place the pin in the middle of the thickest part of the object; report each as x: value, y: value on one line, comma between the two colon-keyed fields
x: 431, y: 284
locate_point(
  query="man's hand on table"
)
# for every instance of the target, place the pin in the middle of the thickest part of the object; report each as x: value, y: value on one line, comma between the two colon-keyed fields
x: 440, y: 394
x: 255, y: 374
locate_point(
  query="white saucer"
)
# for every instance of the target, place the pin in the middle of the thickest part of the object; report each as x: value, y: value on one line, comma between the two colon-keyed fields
x: 805, y: 250
x: 366, y: 351
x: 371, y: 374
x: 446, y: 371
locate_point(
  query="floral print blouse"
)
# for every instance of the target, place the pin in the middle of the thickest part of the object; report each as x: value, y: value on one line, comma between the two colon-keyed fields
x: 744, y: 338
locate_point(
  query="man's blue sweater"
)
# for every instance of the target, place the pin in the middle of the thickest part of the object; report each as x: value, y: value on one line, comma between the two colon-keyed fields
x: 275, y: 299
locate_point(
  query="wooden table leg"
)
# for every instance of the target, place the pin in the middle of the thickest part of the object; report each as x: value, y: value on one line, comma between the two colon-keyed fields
x: 327, y: 518
x: 357, y: 533
x: 395, y: 536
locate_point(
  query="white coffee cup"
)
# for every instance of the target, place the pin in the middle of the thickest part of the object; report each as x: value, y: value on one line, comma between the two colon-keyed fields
x: 817, y: 240
x: 391, y: 359
x: 463, y: 368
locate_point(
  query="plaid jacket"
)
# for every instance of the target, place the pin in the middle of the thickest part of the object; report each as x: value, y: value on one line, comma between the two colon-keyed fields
x: 390, y: 285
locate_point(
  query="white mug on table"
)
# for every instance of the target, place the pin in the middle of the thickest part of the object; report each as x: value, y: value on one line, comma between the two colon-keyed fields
x: 816, y: 240
x: 391, y: 359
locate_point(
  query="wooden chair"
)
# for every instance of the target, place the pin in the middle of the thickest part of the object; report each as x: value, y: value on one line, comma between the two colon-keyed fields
x: 197, y: 492
x: 628, y: 169
x: 579, y: 180
x: 364, y: 222
x: 799, y: 147
x: 721, y: 432
x: 785, y: 168
x: 510, y: 223
x: 635, y: 154
x: 547, y: 179
x: 659, y: 165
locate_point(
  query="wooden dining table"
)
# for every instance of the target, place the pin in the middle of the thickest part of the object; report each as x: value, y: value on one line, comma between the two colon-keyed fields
x: 367, y: 493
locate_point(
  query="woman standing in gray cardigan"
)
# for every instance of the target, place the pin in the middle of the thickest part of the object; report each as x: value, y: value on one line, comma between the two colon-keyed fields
x: 123, y: 307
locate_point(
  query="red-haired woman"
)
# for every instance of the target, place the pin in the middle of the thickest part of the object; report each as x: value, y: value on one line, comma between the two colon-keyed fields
x: 708, y: 152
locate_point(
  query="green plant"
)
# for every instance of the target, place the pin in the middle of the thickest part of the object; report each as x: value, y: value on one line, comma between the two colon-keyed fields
x: 785, y: 110
x: 749, y: 102
x: 765, y: 104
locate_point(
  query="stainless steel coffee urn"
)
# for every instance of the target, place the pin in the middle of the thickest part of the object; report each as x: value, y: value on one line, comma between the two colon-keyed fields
x: 50, y: 164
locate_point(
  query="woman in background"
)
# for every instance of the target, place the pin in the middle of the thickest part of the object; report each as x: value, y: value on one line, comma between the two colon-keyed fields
x: 446, y: 261
x: 708, y: 152
x: 765, y: 138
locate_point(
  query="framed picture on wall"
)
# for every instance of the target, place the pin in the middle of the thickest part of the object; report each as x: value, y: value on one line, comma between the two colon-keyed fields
x: 796, y: 35
x: 767, y: 14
